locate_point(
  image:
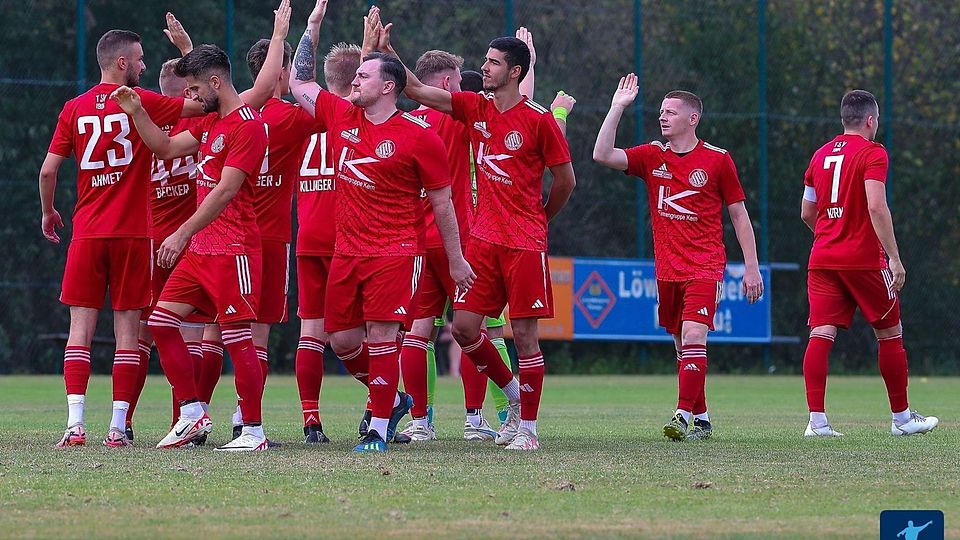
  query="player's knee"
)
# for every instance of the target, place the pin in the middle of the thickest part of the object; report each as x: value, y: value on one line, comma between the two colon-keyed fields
x: 825, y: 330
x: 693, y: 334
x: 526, y: 336
x: 464, y: 333
x: 894, y: 330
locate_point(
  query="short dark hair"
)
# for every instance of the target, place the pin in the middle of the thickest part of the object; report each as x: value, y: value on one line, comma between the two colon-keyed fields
x: 391, y: 69
x: 471, y: 81
x: 257, y: 55
x: 515, y: 51
x: 856, y: 106
x: 202, y: 60
x: 436, y: 61
x: 689, y: 98
x: 112, y: 45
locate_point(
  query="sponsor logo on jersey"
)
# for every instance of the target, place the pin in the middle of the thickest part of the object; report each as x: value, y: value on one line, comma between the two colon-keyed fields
x: 662, y: 172
x: 203, y: 138
x: 386, y: 149
x: 482, y: 128
x: 513, y: 140
x: 838, y: 147
x: 489, y: 163
x: 101, y: 101
x: 669, y: 207
x: 350, y: 171
x: 352, y: 135
x: 698, y: 178
x: 217, y: 145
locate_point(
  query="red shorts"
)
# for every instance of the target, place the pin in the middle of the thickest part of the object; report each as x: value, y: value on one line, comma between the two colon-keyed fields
x: 835, y: 294
x: 275, y: 282
x: 361, y: 289
x: 505, y: 275
x: 436, y: 285
x: 94, y: 264
x: 224, y: 288
x: 693, y: 300
x: 312, y: 273
x: 159, y: 279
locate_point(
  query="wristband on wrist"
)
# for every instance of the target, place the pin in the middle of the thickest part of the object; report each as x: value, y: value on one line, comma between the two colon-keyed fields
x: 560, y: 113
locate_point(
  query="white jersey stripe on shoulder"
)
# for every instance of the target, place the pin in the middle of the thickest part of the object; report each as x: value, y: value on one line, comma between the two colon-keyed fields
x: 709, y: 146
x: 416, y: 120
x: 660, y: 145
x: 536, y: 106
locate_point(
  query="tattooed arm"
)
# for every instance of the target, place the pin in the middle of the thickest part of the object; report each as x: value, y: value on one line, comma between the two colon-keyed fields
x: 303, y: 76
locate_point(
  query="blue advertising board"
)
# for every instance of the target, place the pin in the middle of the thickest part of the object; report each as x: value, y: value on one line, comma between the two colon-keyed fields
x: 616, y: 299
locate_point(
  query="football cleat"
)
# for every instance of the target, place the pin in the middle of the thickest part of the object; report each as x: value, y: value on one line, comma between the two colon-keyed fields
x: 246, y: 442
x: 508, y: 430
x: 917, y: 424
x: 821, y: 431
x: 185, y: 431
x: 702, y: 429
x: 237, y: 431
x: 200, y: 440
x: 117, y: 438
x: 364, y: 423
x: 372, y: 442
x: 524, y: 440
x: 401, y: 410
x: 418, y: 432
x: 483, y: 432
x: 676, y: 428
x: 129, y: 431
x: 73, y: 436
x: 313, y: 434
x: 401, y: 438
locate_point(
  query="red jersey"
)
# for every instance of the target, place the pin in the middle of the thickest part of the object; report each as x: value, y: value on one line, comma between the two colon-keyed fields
x: 513, y: 148
x: 287, y: 127
x: 844, y: 238
x: 237, y: 140
x: 316, y: 198
x: 173, y: 193
x: 113, y: 163
x: 456, y: 138
x: 381, y: 170
x: 687, y: 194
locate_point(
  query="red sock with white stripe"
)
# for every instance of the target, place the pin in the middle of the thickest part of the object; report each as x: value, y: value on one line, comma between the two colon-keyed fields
x: 144, y: 351
x: 413, y: 367
x: 174, y: 356
x: 384, y: 378
x: 195, y: 348
x: 126, y: 368
x: 474, y: 384
x: 264, y: 358
x: 248, y: 374
x: 309, y: 369
x: 76, y: 375
x: 210, y: 369
x: 357, y: 363
x: 531, y: 387
x: 816, y: 362
x: 486, y: 357
x: 693, y: 373
x: 892, y: 361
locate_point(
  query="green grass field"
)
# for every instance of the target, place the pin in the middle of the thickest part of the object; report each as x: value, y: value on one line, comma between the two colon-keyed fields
x: 603, y: 471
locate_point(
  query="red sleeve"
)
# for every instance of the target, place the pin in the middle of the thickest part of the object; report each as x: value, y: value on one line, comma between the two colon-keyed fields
x: 465, y: 106
x: 808, y: 174
x: 635, y: 159
x: 302, y: 123
x: 730, y: 189
x: 875, y: 164
x: 430, y: 161
x: 199, y: 126
x: 329, y: 108
x: 552, y: 143
x: 248, y: 144
x: 163, y: 110
x: 62, y: 142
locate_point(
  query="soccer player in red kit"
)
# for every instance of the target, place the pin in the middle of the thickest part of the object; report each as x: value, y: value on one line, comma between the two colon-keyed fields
x: 515, y: 139
x: 110, y: 248
x: 385, y: 157
x: 688, y: 182
x: 220, y: 274
x: 845, y: 205
x: 316, y: 233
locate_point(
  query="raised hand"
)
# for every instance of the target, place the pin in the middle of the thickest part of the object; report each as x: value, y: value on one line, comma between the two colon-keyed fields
x: 371, y: 31
x: 563, y: 100
x: 383, y: 45
x: 526, y: 36
x: 281, y: 21
x: 626, y: 91
x: 177, y: 35
x: 49, y: 224
x: 128, y: 100
x: 319, y: 11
